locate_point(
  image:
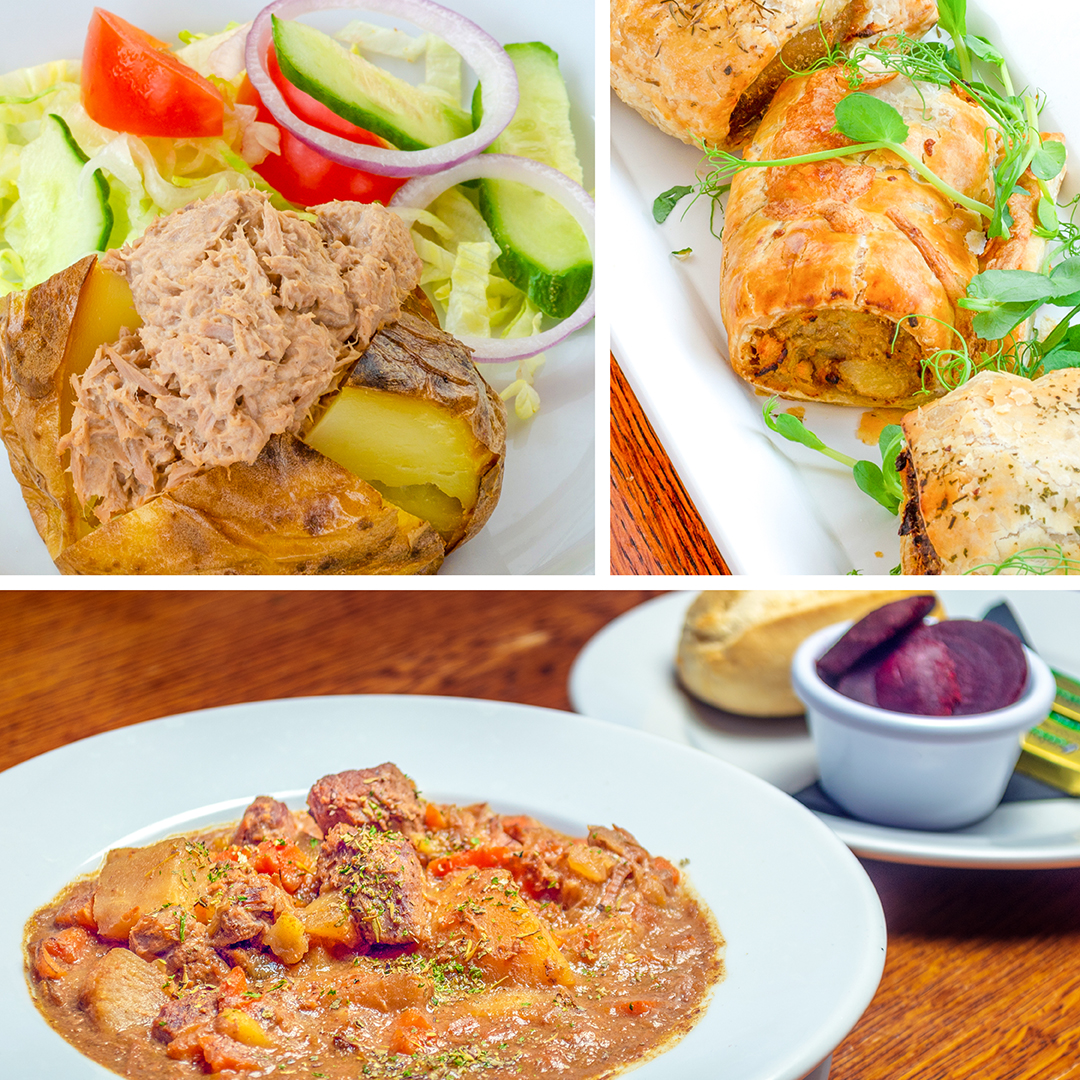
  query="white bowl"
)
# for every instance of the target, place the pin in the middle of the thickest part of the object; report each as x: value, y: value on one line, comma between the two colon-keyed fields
x: 914, y: 772
x: 804, y: 927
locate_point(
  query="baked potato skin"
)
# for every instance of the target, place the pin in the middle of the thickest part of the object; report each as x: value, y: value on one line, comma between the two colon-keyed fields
x: 34, y: 329
x: 291, y: 512
x: 414, y: 357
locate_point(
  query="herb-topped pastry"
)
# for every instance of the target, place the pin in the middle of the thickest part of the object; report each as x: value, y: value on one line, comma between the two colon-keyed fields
x: 706, y: 70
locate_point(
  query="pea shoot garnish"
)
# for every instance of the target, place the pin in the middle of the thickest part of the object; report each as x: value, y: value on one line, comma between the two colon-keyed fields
x: 881, y: 482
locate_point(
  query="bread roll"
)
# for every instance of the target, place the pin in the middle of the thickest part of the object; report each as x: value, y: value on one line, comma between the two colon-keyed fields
x: 737, y: 647
x: 990, y: 470
x: 707, y: 69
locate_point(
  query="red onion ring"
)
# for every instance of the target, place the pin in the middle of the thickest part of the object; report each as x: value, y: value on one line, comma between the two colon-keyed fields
x: 480, y: 51
x: 422, y: 191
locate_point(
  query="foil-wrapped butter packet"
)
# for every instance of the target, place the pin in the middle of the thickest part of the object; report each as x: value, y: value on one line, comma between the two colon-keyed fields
x: 1051, y: 751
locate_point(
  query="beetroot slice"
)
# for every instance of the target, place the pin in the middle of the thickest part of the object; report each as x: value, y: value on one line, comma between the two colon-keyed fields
x: 859, y: 683
x: 991, y: 668
x: 919, y: 678
x: 871, y: 632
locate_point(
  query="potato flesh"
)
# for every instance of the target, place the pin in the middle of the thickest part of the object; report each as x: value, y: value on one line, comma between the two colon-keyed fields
x: 122, y: 990
x: 105, y: 307
x: 135, y: 881
x: 502, y: 935
x: 421, y: 457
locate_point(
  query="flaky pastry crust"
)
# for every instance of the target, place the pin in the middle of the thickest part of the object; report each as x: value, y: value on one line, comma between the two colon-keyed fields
x: 992, y: 469
x: 841, y: 277
x: 706, y: 70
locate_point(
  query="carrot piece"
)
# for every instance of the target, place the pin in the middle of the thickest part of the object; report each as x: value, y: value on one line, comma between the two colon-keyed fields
x: 661, y: 864
x: 222, y: 1052
x: 483, y: 857
x: 234, y: 984
x: 55, y: 955
x: 411, y: 1030
x: 635, y: 1008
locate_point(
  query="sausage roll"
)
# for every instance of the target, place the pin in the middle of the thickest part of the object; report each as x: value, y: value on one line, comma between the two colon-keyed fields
x: 707, y: 69
x: 841, y: 277
x: 990, y: 470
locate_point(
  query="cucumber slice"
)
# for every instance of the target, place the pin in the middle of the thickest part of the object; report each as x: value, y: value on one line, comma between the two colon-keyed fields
x: 544, y: 251
x: 406, y: 116
x: 63, y: 223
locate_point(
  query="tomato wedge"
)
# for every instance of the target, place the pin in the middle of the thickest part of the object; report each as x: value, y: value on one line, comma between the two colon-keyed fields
x: 302, y: 174
x: 130, y: 82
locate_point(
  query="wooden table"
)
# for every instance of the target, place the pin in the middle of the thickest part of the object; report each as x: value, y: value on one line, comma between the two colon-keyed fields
x: 655, y: 527
x: 983, y: 973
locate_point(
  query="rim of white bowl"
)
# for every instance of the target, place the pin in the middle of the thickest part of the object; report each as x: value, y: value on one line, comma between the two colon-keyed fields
x: 815, y: 693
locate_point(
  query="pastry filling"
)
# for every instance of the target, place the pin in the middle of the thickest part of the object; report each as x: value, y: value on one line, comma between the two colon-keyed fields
x: 797, y: 54
x: 832, y: 353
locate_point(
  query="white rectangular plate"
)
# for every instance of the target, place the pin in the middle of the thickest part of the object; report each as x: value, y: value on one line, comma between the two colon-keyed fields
x: 772, y: 506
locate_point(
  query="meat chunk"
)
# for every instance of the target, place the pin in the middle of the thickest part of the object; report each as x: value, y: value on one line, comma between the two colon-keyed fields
x: 266, y: 819
x: 247, y: 907
x: 380, y: 877
x: 158, y: 931
x: 183, y: 1012
x: 656, y: 879
x: 383, y: 797
x: 182, y: 941
x: 196, y: 961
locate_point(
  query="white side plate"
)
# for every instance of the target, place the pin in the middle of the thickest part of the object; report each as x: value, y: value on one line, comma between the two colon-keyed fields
x: 626, y: 675
x: 544, y: 523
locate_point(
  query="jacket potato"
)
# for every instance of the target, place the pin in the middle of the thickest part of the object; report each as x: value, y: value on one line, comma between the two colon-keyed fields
x: 403, y: 463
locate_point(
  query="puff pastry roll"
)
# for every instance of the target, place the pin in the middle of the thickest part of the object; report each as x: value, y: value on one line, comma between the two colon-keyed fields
x: 707, y: 69
x: 823, y: 262
x: 991, y: 470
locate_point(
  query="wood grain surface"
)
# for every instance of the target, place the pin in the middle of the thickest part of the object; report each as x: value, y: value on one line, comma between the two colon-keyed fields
x: 982, y: 978
x: 655, y: 527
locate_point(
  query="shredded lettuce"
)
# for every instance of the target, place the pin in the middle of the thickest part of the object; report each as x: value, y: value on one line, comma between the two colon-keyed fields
x: 148, y: 177
x: 442, y: 63
x: 462, y: 278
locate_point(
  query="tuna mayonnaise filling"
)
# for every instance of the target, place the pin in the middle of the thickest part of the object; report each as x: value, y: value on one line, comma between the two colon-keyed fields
x: 249, y: 315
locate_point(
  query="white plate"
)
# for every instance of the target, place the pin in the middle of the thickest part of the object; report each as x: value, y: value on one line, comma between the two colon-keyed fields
x: 545, y: 522
x: 813, y: 520
x: 815, y: 964
x: 626, y: 675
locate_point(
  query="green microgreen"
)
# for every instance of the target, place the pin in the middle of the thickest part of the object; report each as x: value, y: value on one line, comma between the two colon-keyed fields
x: 872, y: 124
x: 881, y: 482
x: 664, y: 203
x: 1042, y: 559
x: 952, y: 18
x: 1003, y: 299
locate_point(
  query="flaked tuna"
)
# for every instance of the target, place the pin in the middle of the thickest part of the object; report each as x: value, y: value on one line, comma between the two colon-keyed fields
x: 249, y: 316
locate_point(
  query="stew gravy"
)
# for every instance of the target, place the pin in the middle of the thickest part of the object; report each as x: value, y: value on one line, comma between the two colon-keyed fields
x: 376, y: 935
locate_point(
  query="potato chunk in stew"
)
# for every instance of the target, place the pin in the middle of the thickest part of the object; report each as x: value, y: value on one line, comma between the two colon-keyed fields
x: 381, y: 936
x: 121, y: 990
x: 135, y: 881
